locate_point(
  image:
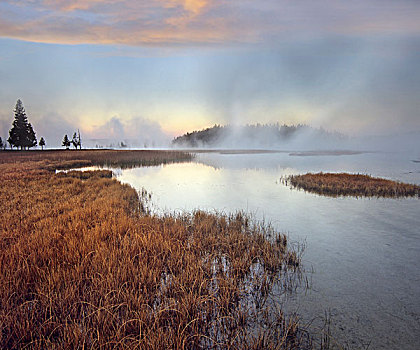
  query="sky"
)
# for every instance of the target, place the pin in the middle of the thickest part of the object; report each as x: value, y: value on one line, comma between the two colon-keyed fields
x: 151, y: 70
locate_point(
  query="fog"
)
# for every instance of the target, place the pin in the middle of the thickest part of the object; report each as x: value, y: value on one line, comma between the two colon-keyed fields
x: 139, y: 132
x: 293, y: 138
x: 136, y: 132
x: 358, y: 86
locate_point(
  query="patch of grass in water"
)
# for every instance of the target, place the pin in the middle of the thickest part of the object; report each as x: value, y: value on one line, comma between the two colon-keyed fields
x: 344, y: 184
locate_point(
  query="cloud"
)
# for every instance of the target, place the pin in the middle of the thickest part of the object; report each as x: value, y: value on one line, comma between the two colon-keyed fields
x: 135, y: 132
x: 205, y: 22
x: 53, y: 127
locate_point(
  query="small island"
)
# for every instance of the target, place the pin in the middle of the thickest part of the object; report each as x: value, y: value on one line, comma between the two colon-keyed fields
x: 344, y: 184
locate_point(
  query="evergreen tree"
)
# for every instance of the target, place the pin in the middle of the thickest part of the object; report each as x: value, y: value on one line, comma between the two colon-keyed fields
x: 21, y: 134
x: 79, y: 140
x: 66, y: 142
x: 74, y: 141
x: 42, y: 143
x: 30, y: 137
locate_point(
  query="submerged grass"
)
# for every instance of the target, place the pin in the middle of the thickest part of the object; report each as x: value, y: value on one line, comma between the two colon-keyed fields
x: 343, y: 184
x: 83, y: 265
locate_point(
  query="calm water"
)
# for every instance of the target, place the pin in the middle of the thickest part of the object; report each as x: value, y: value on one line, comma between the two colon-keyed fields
x: 365, y: 253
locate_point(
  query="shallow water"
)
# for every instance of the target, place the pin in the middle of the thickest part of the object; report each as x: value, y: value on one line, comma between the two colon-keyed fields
x: 364, y: 253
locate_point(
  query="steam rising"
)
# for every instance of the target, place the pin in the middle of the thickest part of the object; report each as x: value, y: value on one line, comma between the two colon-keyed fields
x: 136, y: 132
x: 260, y: 137
x: 292, y: 138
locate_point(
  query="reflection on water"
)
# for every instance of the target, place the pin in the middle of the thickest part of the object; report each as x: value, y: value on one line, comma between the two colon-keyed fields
x: 364, y: 252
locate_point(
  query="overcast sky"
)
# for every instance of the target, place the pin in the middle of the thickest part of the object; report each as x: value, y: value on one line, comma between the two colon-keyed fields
x: 130, y: 69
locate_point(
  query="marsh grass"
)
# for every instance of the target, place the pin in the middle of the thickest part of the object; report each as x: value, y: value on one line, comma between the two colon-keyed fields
x: 343, y: 184
x: 87, y: 174
x: 84, y: 265
x: 70, y: 159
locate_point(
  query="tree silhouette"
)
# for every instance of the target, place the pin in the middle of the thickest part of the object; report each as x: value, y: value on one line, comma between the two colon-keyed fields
x: 21, y: 134
x: 74, y: 141
x: 79, y: 140
x: 31, y: 137
x: 42, y: 143
x: 66, y: 142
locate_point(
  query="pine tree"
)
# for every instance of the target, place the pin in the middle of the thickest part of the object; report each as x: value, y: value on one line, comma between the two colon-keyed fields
x: 21, y: 134
x: 74, y: 141
x: 30, y: 137
x: 79, y: 140
x: 42, y: 143
x: 66, y: 142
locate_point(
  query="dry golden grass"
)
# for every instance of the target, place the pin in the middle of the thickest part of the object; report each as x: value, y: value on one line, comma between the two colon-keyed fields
x: 83, y: 265
x: 344, y: 184
x: 60, y: 159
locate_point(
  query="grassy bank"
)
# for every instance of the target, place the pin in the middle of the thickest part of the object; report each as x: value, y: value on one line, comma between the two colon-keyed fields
x: 60, y: 159
x: 343, y: 184
x: 82, y: 265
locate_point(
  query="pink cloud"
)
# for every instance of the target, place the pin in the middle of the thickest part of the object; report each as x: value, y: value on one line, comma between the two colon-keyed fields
x: 190, y: 22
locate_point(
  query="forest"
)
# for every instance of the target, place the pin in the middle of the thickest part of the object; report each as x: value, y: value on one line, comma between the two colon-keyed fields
x: 255, y: 135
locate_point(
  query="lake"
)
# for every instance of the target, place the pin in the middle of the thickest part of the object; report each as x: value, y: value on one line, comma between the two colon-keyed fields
x: 362, y: 254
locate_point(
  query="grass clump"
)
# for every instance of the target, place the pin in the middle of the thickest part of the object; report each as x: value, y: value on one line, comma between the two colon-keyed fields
x: 83, y: 265
x: 84, y: 175
x: 343, y: 184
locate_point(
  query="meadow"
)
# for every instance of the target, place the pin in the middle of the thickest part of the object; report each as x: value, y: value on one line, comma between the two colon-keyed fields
x: 84, y: 264
x: 358, y: 185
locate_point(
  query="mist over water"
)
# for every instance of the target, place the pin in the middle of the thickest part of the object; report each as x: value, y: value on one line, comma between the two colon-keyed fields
x: 293, y: 138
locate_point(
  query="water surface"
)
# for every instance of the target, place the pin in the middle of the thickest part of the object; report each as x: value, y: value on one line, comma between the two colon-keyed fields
x: 364, y: 252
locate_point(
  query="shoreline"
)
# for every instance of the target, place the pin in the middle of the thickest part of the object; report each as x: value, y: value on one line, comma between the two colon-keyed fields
x: 86, y: 264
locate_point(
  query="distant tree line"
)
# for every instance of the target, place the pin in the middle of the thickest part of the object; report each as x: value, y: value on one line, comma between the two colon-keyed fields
x: 212, y: 136
x: 265, y: 134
